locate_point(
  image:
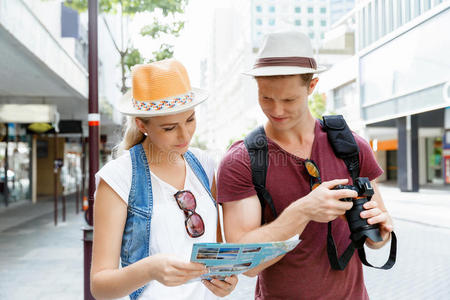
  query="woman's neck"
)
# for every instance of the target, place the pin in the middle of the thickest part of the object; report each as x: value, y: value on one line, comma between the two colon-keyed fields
x: 159, y: 157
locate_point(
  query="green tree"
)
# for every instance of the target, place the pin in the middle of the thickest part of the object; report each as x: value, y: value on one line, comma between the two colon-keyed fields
x: 317, y: 105
x: 129, y: 56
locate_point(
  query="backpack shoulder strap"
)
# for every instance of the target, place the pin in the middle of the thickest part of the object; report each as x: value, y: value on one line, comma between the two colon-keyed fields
x: 256, y: 144
x: 343, y: 142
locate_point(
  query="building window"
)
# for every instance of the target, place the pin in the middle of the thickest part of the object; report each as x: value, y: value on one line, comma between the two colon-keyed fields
x: 323, y: 10
x: 407, y: 10
x: 298, y: 23
x: 258, y: 22
x: 311, y: 10
x: 272, y: 9
x: 391, y: 15
x: 383, y: 17
x: 259, y: 8
x: 271, y: 22
x: 323, y: 23
x: 298, y: 9
x: 399, y: 14
x: 311, y: 35
x: 322, y: 35
x: 369, y: 23
x: 417, y: 8
x: 310, y: 23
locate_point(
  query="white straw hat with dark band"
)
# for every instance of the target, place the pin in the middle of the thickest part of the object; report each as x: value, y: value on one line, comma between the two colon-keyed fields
x: 285, y: 53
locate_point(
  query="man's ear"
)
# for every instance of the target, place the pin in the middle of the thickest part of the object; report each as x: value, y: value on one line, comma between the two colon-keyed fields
x: 312, y: 85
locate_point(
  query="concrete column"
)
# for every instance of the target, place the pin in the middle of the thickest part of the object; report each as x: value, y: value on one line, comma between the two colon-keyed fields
x: 408, y: 154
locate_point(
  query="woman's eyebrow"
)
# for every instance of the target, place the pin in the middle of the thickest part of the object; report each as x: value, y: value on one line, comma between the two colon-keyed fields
x: 171, y: 124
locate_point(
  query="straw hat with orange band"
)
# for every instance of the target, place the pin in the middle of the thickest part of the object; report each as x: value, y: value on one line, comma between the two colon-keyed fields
x: 160, y: 88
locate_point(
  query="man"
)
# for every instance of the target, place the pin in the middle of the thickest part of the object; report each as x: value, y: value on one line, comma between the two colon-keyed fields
x: 283, y: 73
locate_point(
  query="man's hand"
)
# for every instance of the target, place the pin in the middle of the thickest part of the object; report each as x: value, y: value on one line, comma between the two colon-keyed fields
x: 376, y: 213
x: 323, y: 204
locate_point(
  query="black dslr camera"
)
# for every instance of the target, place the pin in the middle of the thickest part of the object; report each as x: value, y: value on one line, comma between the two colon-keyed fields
x: 359, y: 227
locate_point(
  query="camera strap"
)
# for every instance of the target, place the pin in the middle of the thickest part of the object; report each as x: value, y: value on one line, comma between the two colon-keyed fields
x: 345, y: 147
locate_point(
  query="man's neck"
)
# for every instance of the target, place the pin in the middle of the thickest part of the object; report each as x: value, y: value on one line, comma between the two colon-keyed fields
x: 298, y: 134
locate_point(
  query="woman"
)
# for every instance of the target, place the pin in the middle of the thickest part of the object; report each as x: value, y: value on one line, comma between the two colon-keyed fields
x: 154, y: 202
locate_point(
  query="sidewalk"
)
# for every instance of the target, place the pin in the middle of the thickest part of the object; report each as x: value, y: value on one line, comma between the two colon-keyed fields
x: 45, y: 261
x: 430, y: 206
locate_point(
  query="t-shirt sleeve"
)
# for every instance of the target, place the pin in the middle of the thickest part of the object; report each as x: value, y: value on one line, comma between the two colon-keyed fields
x: 208, y: 162
x: 234, y: 177
x: 368, y: 165
x: 117, y: 174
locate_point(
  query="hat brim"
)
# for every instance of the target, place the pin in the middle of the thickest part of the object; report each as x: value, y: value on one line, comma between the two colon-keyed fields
x: 282, y: 70
x: 126, y: 106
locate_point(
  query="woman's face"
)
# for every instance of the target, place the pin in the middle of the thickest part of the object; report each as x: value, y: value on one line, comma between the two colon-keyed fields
x: 171, y: 133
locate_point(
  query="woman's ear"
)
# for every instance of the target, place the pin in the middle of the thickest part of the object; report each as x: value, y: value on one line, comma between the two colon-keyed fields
x: 141, y: 126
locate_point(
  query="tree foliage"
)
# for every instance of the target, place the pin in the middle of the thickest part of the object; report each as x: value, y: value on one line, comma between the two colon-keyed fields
x: 131, y: 7
x: 130, y: 56
x: 317, y: 105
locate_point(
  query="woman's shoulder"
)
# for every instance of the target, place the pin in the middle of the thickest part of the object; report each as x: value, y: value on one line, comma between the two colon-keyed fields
x: 121, y: 162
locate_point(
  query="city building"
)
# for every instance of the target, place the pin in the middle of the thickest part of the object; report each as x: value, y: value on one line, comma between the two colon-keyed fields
x: 395, y: 90
x: 43, y: 89
x: 310, y: 17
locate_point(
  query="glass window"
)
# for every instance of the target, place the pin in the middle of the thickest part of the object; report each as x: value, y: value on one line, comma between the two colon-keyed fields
x: 391, y: 15
x: 322, y: 35
x: 271, y: 22
x: 323, y: 10
x: 311, y: 35
x: 417, y: 8
x: 258, y: 22
x: 369, y: 23
x: 425, y: 63
x: 310, y: 23
x: 310, y: 10
x: 272, y: 9
x: 399, y: 13
x: 364, y: 27
x: 383, y: 17
x: 426, y: 5
x: 298, y: 9
x: 298, y: 23
x: 407, y: 10
x: 323, y: 23
x: 376, y: 22
x: 259, y: 8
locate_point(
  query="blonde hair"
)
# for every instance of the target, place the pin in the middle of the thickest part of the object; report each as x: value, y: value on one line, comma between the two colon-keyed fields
x: 131, y: 137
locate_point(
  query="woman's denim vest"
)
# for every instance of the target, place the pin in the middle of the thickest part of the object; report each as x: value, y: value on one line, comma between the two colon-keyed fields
x: 136, y: 235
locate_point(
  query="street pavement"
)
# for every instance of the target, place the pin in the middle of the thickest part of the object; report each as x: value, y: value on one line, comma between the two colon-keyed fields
x: 41, y: 261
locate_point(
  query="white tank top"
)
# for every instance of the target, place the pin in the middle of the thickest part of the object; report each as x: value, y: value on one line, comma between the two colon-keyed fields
x: 167, y: 232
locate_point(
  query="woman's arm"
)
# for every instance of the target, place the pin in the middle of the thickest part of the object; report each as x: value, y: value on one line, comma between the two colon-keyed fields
x: 107, y: 280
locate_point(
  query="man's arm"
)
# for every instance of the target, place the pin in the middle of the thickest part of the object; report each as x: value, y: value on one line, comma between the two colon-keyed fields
x: 376, y: 213
x: 242, y: 219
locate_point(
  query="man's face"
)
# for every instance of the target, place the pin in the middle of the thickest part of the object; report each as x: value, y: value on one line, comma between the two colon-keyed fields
x: 284, y: 99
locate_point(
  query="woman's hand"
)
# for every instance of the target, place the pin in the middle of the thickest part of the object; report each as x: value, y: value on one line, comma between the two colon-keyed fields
x: 172, y: 271
x: 221, y: 288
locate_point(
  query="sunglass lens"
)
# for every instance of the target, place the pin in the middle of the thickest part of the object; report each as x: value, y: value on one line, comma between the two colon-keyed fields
x: 315, y: 185
x: 312, y: 169
x: 195, y: 225
x: 186, y: 200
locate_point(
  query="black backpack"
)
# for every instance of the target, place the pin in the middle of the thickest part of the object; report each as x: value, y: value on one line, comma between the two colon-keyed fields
x: 345, y: 148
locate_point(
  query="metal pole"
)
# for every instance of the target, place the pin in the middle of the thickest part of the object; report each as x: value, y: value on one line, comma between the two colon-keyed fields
x: 55, y: 180
x: 83, y: 167
x: 6, y: 191
x: 93, y: 122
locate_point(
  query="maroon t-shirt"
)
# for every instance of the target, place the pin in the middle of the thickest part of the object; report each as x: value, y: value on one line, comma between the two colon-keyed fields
x: 305, y: 272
